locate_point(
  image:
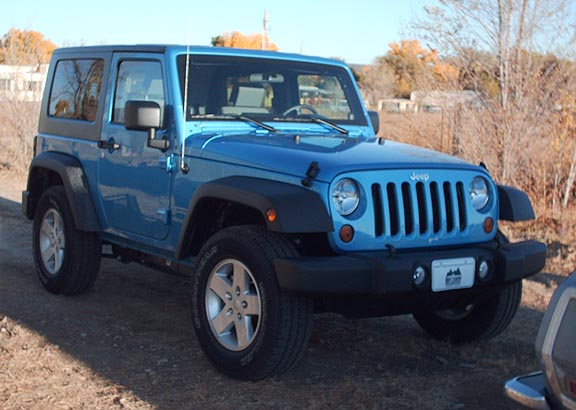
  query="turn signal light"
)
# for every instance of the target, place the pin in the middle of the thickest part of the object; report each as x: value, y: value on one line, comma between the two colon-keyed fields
x: 346, y: 233
x: 488, y: 225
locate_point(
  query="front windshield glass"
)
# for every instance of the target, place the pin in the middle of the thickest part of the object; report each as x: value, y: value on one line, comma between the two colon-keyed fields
x: 268, y: 90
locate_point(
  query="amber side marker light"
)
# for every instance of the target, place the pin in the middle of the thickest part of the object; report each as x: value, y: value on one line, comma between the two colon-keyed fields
x: 271, y: 215
x: 346, y: 233
x: 488, y: 225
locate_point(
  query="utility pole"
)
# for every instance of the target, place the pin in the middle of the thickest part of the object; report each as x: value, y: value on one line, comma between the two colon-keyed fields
x: 265, y: 33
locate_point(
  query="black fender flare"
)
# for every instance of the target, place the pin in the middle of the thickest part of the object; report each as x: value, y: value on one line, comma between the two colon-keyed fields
x: 514, y: 204
x: 298, y: 210
x: 75, y: 184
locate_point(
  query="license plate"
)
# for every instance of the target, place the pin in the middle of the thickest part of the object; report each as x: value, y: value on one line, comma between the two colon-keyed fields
x: 449, y: 274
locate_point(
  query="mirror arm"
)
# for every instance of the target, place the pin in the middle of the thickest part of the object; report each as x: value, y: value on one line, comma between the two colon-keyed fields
x: 153, y: 142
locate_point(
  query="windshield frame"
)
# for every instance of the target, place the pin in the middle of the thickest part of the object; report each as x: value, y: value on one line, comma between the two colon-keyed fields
x: 205, y: 70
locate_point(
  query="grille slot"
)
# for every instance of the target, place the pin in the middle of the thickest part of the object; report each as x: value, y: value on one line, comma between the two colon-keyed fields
x: 378, y: 211
x: 419, y: 208
x: 393, y: 209
x: 408, y: 215
x: 422, y: 204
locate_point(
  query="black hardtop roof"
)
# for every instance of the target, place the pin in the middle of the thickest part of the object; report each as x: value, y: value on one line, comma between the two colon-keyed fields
x: 162, y: 48
x: 144, y: 48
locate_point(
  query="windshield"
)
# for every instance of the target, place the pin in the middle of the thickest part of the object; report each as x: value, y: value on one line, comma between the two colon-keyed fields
x: 268, y: 90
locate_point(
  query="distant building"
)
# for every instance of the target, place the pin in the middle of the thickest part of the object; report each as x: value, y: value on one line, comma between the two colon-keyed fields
x: 22, y: 83
x: 397, y: 105
x: 431, y: 101
x: 435, y: 101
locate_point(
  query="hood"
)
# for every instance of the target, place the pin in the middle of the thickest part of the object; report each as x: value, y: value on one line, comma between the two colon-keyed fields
x: 292, y: 154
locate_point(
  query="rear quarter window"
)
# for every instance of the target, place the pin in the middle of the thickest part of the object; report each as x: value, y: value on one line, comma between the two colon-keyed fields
x: 76, y: 89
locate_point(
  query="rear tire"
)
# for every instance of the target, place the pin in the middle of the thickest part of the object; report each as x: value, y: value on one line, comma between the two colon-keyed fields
x: 471, y: 323
x: 247, y: 326
x: 67, y: 260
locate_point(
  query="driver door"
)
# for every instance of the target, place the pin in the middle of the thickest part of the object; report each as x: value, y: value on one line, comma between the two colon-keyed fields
x: 135, y: 181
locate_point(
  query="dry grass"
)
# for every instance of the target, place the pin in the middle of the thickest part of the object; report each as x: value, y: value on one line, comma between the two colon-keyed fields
x: 18, y: 125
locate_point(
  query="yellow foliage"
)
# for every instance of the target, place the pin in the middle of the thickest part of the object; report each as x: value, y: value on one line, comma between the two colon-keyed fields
x: 413, y: 65
x: 25, y: 47
x: 238, y: 40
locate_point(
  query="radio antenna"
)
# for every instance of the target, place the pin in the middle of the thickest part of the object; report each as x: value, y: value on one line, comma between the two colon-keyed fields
x: 183, y: 165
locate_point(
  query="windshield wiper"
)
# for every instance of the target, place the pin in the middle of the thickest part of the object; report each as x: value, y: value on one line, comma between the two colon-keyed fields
x: 338, y: 128
x: 315, y: 119
x: 240, y: 117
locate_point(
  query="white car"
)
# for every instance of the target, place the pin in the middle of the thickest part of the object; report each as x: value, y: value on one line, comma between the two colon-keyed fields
x: 555, y: 386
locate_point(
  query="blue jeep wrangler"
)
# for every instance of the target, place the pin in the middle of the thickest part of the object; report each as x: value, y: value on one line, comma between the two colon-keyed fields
x: 260, y: 175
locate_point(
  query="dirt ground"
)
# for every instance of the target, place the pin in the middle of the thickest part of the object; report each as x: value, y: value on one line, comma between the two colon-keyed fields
x: 129, y: 344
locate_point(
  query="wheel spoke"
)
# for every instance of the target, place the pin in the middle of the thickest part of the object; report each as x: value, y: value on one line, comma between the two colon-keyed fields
x: 223, y: 322
x: 241, y: 280
x: 60, y: 239
x: 56, y: 222
x: 253, y: 305
x: 242, y: 331
x: 45, y: 247
x: 46, y: 229
x: 48, y: 258
x: 58, y: 257
x: 220, y: 287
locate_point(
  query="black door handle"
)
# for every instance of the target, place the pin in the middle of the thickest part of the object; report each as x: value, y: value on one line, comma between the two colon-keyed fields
x: 110, y: 145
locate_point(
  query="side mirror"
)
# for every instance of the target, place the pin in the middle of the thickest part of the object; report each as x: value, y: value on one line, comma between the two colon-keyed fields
x: 375, y: 120
x: 145, y: 116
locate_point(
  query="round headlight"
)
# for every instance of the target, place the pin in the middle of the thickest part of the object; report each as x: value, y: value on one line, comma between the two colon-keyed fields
x: 346, y: 196
x: 479, y: 193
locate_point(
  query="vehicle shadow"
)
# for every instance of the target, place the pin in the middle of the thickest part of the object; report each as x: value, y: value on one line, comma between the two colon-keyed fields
x: 10, y: 207
x: 134, y: 330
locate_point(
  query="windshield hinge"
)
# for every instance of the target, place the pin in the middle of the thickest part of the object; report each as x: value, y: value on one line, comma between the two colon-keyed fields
x: 312, y: 173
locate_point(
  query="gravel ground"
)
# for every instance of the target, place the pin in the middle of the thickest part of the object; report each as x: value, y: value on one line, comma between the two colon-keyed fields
x: 129, y: 344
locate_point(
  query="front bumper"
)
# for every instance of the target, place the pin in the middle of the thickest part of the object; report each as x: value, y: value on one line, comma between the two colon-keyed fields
x: 389, y: 273
x: 529, y: 391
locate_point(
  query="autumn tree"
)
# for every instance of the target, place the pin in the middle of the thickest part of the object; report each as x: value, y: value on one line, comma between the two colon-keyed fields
x: 25, y: 47
x: 238, y: 40
x: 415, y: 67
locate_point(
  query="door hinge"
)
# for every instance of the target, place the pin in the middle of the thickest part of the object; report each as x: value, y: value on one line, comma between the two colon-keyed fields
x: 164, y: 215
x: 167, y: 163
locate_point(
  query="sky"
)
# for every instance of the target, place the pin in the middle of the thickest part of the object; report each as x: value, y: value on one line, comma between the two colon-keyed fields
x: 356, y: 30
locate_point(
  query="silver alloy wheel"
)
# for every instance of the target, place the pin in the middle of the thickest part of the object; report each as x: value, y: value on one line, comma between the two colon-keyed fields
x: 52, y: 241
x: 233, y: 305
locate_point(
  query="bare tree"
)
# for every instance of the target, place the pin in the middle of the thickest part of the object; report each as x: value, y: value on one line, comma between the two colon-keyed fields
x: 376, y: 83
x: 22, y: 58
x: 529, y: 45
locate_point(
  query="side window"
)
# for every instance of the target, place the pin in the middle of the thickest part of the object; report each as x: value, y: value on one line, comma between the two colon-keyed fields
x: 76, y: 89
x: 140, y: 81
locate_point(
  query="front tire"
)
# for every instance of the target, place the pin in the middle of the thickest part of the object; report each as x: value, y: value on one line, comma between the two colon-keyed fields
x: 246, y: 325
x: 471, y: 323
x: 67, y: 260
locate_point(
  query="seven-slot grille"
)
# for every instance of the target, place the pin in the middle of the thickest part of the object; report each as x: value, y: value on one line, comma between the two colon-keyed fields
x: 418, y: 209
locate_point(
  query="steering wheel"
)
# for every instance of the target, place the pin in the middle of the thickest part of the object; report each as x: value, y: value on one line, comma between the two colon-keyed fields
x: 298, y: 108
